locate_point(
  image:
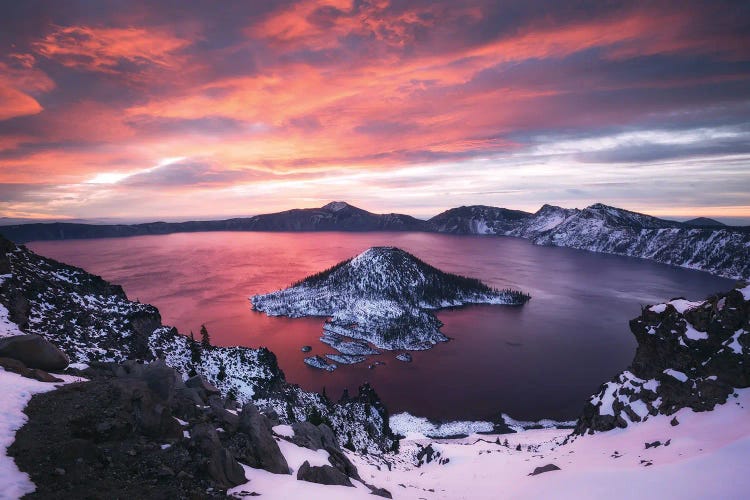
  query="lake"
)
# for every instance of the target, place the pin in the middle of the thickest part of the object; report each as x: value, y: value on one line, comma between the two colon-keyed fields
x: 541, y: 360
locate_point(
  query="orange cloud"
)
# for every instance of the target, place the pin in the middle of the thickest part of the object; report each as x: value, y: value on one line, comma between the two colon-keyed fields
x: 15, y: 103
x: 107, y: 49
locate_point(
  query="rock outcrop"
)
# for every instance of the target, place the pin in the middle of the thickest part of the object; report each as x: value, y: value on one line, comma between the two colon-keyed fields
x: 689, y: 354
x: 34, y: 351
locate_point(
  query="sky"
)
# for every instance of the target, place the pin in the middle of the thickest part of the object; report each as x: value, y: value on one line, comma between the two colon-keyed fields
x: 200, y: 109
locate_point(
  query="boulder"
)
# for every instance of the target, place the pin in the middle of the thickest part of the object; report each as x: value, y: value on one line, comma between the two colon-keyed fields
x: 324, y: 474
x: 321, y: 437
x: 34, y: 351
x: 380, y: 492
x: 313, y: 437
x: 228, y: 419
x: 222, y: 466
x: 544, y: 468
x: 205, y: 389
x: 225, y: 470
x: 253, y: 443
x: 149, y: 410
x: 161, y: 379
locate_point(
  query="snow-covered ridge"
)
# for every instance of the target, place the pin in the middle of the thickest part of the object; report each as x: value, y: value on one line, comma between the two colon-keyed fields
x: 383, y: 296
x: 720, y: 250
x: 690, y: 354
x: 406, y: 424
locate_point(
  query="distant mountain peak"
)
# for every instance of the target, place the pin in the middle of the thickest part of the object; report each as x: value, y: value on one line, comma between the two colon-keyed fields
x: 336, y: 206
x: 704, y: 221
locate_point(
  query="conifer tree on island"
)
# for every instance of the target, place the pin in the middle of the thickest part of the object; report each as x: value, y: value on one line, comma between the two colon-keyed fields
x: 205, y: 337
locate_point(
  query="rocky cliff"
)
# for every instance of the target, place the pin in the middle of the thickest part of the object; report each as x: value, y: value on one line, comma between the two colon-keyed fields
x: 689, y: 354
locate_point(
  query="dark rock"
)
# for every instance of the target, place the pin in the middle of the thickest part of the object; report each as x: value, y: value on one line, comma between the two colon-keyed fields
x: 321, y: 437
x: 381, y: 492
x: 90, y: 431
x: 313, y: 437
x: 222, y: 467
x: 225, y: 470
x: 253, y: 443
x: 151, y: 414
x: 655, y: 444
x: 306, y: 348
x: 324, y: 474
x: 544, y: 468
x: 34, y: 351
x: 272, y: 416
x: 426, y: 455
x: 405, y: 357
x: 200, y: 383
x: 14, y: 365
x: 41, y: 376
x: 226, y: 418
x: 674, y: 422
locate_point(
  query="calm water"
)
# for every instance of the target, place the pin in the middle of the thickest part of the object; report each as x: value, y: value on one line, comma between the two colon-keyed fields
x: 541, y: 360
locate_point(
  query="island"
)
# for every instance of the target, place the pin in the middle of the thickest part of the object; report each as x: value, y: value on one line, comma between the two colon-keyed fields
x: 385, y: 297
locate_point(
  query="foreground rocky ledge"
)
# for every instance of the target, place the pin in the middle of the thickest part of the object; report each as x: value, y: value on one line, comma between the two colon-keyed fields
x: 138, y: 428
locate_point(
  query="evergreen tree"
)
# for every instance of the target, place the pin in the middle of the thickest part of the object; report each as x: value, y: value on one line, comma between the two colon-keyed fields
x: 232, y: 394
x: 222, y: 375
x: 205, y: 337
x: 195, y: 353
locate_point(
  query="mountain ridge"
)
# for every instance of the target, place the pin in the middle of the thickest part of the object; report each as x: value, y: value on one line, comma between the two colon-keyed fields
x: 721, y: 250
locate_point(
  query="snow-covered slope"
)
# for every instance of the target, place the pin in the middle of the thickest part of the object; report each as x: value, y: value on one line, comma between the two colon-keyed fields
x: 600, y: 228
x: 704, y: 456
x: 383, y: 296
x: 93, y: 321
x: 720, y: 250
x: 478, y: 219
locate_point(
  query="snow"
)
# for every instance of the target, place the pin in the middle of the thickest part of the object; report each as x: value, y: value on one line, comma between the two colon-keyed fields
x: 285, y: 486
x: 683, y: 305
x: 406, y: 424
x: 15, y: 393
x: 78, y: 366
x: 7, y: 327
x: 693, y: 334
x: 297, y: 455
x: 745, y: 292
x: 522, y: 425
x: 284, y: 430
x: 706, y: 458
x: 676, y: 374
x: 733, y: 343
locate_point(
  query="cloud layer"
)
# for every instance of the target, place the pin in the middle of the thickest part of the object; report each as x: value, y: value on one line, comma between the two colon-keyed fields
x: 191, y: 108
